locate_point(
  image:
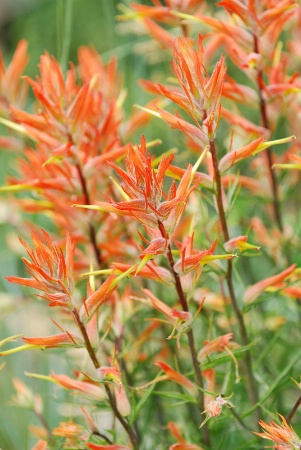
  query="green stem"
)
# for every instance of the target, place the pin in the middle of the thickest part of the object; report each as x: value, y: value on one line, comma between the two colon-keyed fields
x: 193, y: 353
x: 252, y: 388
x: 111, y: 397
x: 67, y: 27
x: 268, y: 151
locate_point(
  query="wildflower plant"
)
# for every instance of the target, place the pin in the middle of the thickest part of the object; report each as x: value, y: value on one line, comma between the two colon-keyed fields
x: 173, y: 276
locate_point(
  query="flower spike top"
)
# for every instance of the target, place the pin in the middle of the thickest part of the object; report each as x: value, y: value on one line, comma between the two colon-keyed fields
x: 283, y: 435
x: 201, y: 93
x: 11, y: 91
x: 52, y: 272
x: 142, y: 189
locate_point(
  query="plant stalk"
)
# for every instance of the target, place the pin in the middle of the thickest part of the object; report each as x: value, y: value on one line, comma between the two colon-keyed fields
x: 268, y: 151
x: 294, y: 410
x: 92, y: 232
x: 112, y: 401
x: 229, y: 278
x: 193, y: 353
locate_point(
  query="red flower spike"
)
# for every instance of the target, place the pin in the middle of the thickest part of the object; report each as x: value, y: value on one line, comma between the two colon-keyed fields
x: 200, y: 95
x: 77, y: 120
x: 143, y: 190
x: 52, y: 272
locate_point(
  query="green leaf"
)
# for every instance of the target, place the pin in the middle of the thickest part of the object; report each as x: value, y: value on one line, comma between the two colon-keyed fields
x: 141, y: 403
x: 274, y: 385
x: 176, y: 395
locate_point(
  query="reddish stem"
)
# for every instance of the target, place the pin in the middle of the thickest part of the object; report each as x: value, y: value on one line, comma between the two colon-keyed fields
x: 193, y: 353
x: 92, y: 232
x: 268, y: 151
x: 111, y: 397
x: 229, y: 277
x: 294, y: 410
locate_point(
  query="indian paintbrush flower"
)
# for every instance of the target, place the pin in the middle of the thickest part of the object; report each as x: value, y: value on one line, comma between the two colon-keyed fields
x: 283, y: 436
x: 52, y: 272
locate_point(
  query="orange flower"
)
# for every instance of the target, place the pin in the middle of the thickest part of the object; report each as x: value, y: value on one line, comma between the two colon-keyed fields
x: 241, y: 243
x: 216, y: 345
x: 88, y: 388
x: 273, y: 13
x: 73, y: 432
x: 171, y: 313
x: 178, y: 378
x: 196, y: 134
x: 163, y: 13
x: 214, y: 408
x: 25, y: 397
x: 52, y: 272
x: 180, y: 319
x: 41, y: 445
x: 238, y: 155
x: 98, y: 298
x: 200, y: 95
x: 176, y: 432
x: 80, y: 120
x: 192, y: 259
x: 250, y: 149
x: 283, y: 435
x: 143, y: 190
x: 113, y: 375
x: 10, y: 91
x: 254, y: 291
x: 59, y: 340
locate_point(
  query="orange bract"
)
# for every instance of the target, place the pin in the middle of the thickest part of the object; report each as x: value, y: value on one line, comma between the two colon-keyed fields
x: 11, y: 90
x: 201, y: 93
x: 283, y: 435
x: 52, y: 272
x: 143, y: 188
